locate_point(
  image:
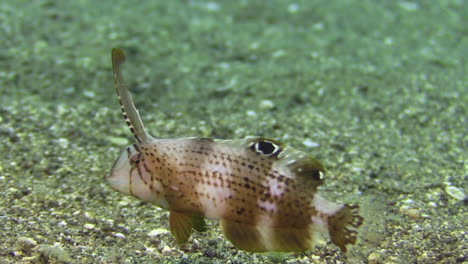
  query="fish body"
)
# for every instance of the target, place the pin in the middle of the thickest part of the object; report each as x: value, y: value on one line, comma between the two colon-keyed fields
x: 263, y: 192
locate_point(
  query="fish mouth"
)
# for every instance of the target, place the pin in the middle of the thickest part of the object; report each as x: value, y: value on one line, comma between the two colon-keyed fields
x: 119, y: 177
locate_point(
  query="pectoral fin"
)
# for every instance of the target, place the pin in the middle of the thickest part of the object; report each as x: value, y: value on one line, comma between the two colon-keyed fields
x: 180, y: 225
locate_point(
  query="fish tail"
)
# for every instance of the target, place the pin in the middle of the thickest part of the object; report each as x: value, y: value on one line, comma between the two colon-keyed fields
x: 340, y: 224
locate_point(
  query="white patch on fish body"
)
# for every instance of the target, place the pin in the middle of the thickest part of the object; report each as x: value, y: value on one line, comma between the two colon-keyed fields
x: 265, y: 232
x: 325, y: 207
x: 214, y: 202
x: 276, y: 188
x: 267, y: 205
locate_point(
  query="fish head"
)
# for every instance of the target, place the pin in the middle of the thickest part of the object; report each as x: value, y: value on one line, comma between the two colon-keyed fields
x: 131, y: 175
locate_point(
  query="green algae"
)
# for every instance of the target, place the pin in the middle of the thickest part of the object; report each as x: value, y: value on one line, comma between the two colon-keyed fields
x: 380, y: 87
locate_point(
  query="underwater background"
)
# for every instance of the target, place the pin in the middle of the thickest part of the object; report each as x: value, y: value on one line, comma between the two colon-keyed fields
x: 376, y: 90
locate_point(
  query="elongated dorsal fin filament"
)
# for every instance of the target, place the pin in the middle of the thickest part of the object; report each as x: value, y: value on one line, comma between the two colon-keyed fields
x: 129, y: 111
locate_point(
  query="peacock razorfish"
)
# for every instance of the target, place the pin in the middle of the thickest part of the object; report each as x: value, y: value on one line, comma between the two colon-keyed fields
x: 263, y: 192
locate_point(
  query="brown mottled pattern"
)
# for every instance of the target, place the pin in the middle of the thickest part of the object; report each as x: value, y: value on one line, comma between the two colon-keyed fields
x: 192, y: 168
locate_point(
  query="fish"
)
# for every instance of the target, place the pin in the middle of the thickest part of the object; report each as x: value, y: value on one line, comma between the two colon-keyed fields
x: 262, y: 191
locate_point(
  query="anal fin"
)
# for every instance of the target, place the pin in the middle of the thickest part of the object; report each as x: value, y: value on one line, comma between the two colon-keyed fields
x: 264, y: 238
x: 243, y: 236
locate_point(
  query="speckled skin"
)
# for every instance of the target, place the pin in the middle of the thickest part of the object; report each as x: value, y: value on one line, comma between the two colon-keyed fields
x: 220, y: 179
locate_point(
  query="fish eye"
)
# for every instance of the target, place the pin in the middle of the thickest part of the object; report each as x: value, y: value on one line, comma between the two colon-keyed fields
x: 318, y: 175
x: 266, y: 148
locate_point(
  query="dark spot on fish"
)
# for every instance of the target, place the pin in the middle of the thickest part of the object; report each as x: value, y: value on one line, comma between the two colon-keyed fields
x: 317, y: 175
x: 240, y: 211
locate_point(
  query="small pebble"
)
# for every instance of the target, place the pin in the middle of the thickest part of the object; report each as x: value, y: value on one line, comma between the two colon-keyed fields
x: 278, y: 53
x: 123, y: 203
x: 251, y: 113
x: 413, y: 213
x: 121, y: 141
x: 373, y: 258
x: 166, y: 250
x: 310, y: 144
x: 89, y: 226
x: 25, y: 244
x: 410, y: 212
x: 157, y: 232
x: 212, y: 6
x: 408, y: 6
x: 139, y: 246
x: 53, y: 254
x: 293, y: 8
x: 456, y: 193
x: 119, y: 235
x: 89, y: 94
x: 266, y: 104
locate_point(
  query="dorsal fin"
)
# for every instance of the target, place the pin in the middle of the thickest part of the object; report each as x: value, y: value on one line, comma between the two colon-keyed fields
x: 308, y: 170
x: 302, y: 166
x: 129, y: 111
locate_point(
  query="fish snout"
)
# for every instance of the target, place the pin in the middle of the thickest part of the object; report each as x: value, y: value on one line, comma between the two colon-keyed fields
x: 119, y: 177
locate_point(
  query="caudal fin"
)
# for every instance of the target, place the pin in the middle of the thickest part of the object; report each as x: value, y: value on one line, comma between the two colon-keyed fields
x: 340, y: 225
